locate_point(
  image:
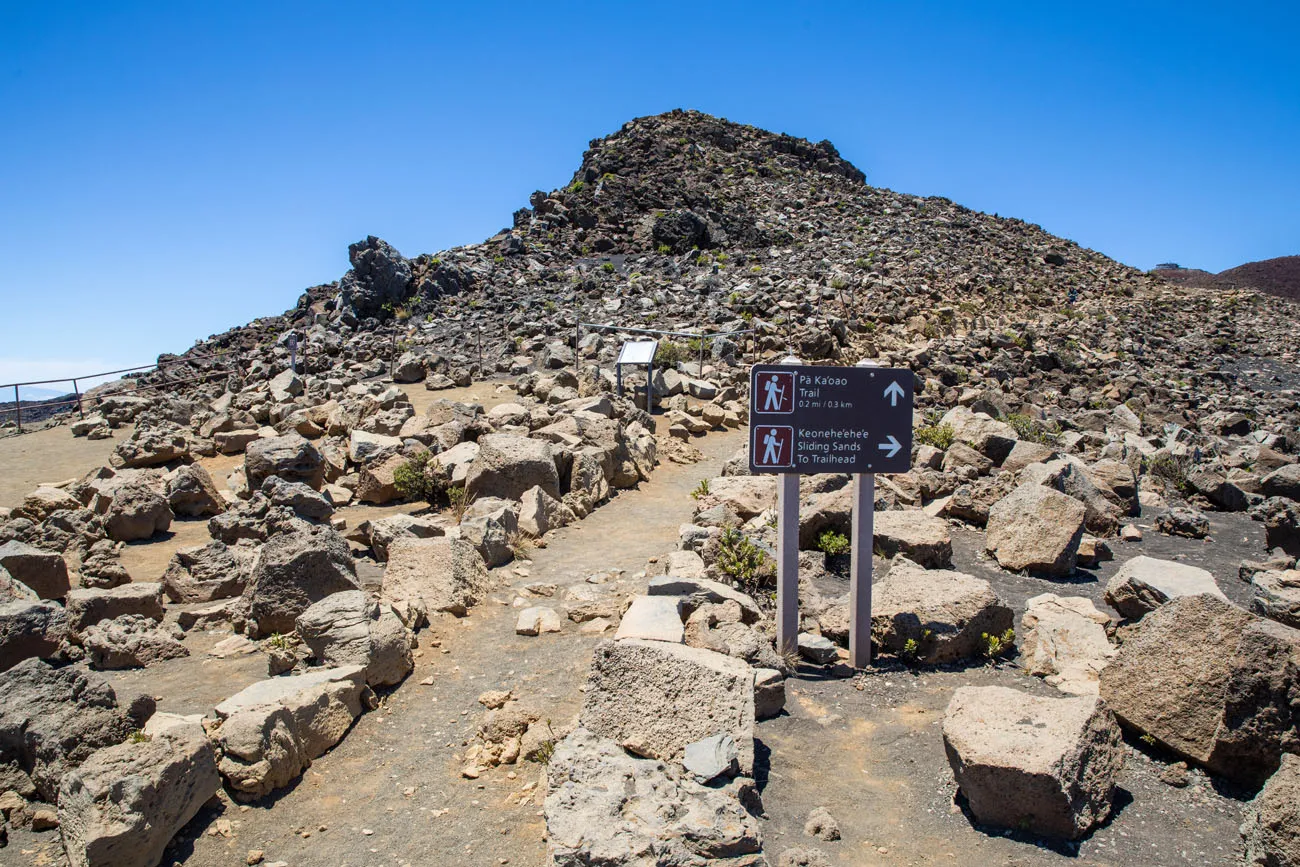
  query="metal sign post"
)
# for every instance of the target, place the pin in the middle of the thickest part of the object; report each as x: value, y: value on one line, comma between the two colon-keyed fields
x: 864, y: 530
x: 805, y: 420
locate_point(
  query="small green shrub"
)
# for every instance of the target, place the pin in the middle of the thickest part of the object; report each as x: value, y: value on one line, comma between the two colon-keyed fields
x: 938, y: 435
x: 671, y: 353
x: 608, y: 267
x: 833, y: 543
x: 419, y: 478
x: 1172, y: 470
x: 1032, y: 430
x: 742, y: 561
x: 139, y: 737
x: 994, y: 646
x: 910, y: 648
x: 701, y: 490
x: 665, y: 249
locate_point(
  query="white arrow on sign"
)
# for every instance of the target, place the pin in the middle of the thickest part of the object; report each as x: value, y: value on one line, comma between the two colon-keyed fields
x: 894, y: 391
x: 890, y: 448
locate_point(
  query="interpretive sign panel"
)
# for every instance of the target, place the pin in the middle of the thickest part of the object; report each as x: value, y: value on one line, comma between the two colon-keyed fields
x: 805, y: 419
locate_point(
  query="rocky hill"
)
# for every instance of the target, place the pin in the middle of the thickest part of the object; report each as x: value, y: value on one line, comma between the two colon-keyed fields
x: 683, y: 221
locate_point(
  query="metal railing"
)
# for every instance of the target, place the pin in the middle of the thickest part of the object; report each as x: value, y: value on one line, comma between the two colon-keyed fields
x: 77, y: 399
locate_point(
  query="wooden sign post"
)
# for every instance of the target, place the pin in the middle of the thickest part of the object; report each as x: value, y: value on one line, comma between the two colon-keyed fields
x: 805, y: 420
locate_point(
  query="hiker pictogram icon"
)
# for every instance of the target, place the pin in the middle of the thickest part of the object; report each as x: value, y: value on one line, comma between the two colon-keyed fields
x: 773, y: 446
x: 774, y: 392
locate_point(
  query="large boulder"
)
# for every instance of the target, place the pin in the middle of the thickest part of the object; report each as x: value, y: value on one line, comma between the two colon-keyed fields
x: 508, y: 465
x: 150, y: 447
x: 992, y: 438
x: 914, y: 534
x: 191, y: 492
x: 1281, y: 519
x: 606, y: 807
x: 377, y: 483
x: 1036, y: 529
x: 1282, y: 482
x: 943, y: 614
x: 379, y: 275
x: 30, y: 628
x: 350, y: 628
x: 1065, y: 642
x: 131, y: 641
x: 270, y: 732
x: 13, y: 590
x: 293, y: 570
x: 126, y: 802
x: 305, y: 501
x: 540, y: 513
x: 1272, y: 827
x: 1276, y: 595
x: 291, y: 457
x: 1043, y: 765
x: 203, y: 573
x: 1211, y: 682
x: 654, y: 698
x: 1144, y: 584
x: 51, y: 720
x: 44, y: 572
x: 137, y: 511
x: 382, y: 532
x: 88, y: 606
x: 428, y: 575
x: 488, y: 525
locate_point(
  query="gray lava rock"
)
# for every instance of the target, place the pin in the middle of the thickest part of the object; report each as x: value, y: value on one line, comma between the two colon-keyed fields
x: 663, y: 817
x: 51, y: 720
x: 206, y: 572
x: 294, y: 570
x: 291, y: 457
x: 350, y: 628
x: 1045, y: 765
x: 30, y: 628
x: 137, y: 511
x: 1272, y: 827
x: 508, y: 465
x: 379, y: 275
x: 130, y: 641
x: 44, y: 572
x: 126, y: 802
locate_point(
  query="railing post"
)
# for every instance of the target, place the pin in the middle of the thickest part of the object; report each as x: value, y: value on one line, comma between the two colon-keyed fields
x: 77, y: 392
x: 18, y: 409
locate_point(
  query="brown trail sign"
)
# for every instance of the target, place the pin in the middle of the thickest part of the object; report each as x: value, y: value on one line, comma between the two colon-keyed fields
x: 805, y: 420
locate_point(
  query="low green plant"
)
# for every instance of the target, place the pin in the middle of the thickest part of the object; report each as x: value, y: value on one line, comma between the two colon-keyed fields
x: 139, y: 737
x: 459, y: 499
x: 671, y: 353
x: 546, y: 749
x: 1032, y: 430
x: 608, y: 267
x: 910, y: 649
x: 832, y: 543
x: 520, y: 545
x: 279, y: 641
x: 665, y: 249
x: 577, y: 186
x: 1147, y: 739
x: 1171, y: 469
x: 742, y: 561
x: 701, y: 490
x: 993, y: 646
x: 419, y: 478
x: 938, y: 435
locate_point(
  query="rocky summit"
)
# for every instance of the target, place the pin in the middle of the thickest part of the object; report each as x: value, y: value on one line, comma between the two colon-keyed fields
x: 412, y: 571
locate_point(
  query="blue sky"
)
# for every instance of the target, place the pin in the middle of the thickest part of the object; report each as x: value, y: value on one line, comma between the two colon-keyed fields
x: 169, y: 170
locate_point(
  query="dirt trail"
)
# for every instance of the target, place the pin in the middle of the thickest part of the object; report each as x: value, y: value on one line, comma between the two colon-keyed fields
x: 392, y: 791
x: 50, y: 455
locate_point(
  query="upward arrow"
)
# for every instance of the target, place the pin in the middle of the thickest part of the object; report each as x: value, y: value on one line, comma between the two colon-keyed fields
x: 894, y: 391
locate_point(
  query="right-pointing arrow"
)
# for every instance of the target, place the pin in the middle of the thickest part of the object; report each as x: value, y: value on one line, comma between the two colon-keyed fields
x: 894, y: 391
x: 891, y: 447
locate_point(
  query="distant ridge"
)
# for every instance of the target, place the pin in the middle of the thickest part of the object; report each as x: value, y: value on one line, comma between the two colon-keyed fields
x: 1279, y: 276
